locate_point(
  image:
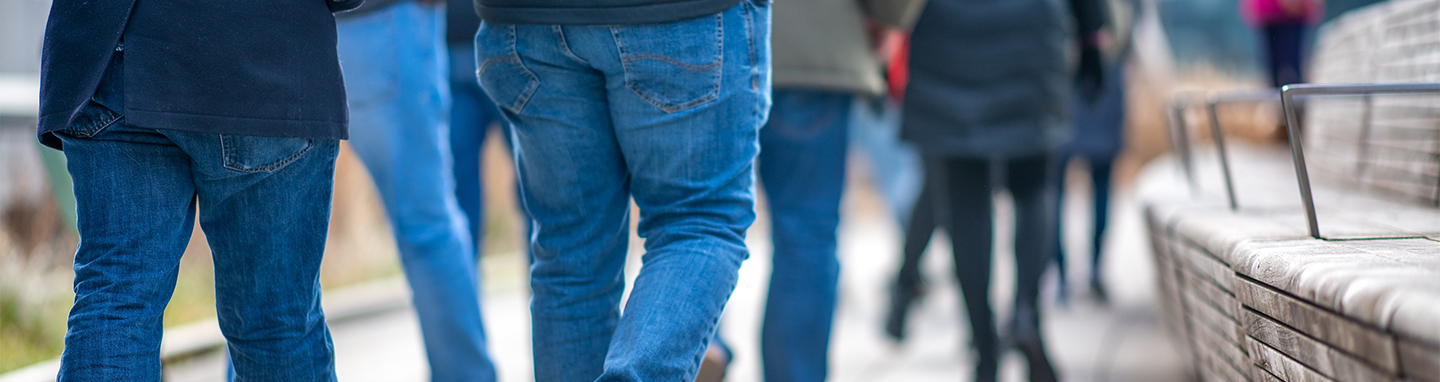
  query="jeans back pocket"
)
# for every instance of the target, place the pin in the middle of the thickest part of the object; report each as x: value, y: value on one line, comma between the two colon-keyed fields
x: 502, y: 75
x: 673, y: 66
x: 261, y: 154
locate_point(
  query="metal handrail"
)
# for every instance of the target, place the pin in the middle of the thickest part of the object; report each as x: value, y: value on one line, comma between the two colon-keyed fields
x: 1217, y: 134
x: 1288, y: 95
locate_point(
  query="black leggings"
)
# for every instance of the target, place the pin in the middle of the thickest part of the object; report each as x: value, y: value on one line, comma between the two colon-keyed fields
x: 958, y: 195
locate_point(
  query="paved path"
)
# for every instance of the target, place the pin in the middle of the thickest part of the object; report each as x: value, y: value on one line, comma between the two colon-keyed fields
x: 1123, y: 342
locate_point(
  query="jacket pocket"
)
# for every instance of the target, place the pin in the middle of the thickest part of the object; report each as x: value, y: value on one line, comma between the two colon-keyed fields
x: 502, y: 74
x: 245, y: 153
x: 673, y: 66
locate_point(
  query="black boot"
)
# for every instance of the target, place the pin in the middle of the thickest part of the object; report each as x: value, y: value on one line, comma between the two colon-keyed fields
x: 1025, y: 332
x: 902, y: 296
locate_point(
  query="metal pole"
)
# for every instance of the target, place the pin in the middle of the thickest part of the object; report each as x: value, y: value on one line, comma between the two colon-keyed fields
x: 1181, y: 134
x: 1288, y: 93
x: 1219, y: 138
x: 1292, y: 124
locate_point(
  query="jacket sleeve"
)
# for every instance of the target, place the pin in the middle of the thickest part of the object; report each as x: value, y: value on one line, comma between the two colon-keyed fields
x: 337, y: 6
x: 1089, y: 15
x: 894, y: 13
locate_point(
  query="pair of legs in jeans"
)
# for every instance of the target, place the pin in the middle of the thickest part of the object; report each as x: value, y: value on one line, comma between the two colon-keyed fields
x: 667, y: 114
x: 802, y: 166
x: 264, y: 204
x: 960, y: 192
x: 397, y: 80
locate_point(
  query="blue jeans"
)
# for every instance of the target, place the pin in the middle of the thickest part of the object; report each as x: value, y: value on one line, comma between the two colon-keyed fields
x: 668, y: 114
x: 397, y: 80
x: 470, y: 120
x: 802, y: 165
x: 264, y: 204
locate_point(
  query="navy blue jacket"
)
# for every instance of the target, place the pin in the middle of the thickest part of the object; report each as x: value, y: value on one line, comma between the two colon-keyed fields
x: 251, y: 67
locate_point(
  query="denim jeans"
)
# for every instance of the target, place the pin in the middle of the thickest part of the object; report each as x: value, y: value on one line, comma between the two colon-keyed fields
x: 667, y: 114
x: 802, y: 166
x: 397, y: 80
x: 264, y: 204
x: 471, y: 115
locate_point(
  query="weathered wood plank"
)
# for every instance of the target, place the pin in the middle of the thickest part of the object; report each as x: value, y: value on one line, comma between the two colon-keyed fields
x: 1363, y: 341
x: 1419, y: 361
x: 1202, y: 313
x: 1309, y: 351
x: 1258, y: 374
x: 1230, y: 353
x: 1211, y: 293
x: 1282, y: 366
x: 1207, y: 265
x: 1214, y: 364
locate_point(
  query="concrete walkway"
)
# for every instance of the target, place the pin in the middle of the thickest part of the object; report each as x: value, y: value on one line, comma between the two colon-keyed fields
x: 1088, y: 342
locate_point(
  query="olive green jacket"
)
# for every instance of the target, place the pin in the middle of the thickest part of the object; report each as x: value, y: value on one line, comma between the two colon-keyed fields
x: 823, y: 44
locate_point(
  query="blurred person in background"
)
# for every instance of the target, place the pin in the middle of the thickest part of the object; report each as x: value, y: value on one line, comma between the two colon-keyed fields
x: 398, y: 79
x: 1282, y: 26
x: 166, y: 109
x: 825, y: 57
x: 989, y: 87
x: 608, y: 100
x: 1098, y: 139
x: 471, y: 116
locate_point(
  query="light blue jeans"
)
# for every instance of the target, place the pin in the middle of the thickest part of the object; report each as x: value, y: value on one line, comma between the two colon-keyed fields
x: 667, y: 114
x: 802, y: 166
x: 264, y: 204
x: 397, y: 80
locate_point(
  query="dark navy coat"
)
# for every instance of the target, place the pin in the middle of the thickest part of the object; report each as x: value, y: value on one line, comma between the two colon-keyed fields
x: 990, y: 79
x: 250, y: 67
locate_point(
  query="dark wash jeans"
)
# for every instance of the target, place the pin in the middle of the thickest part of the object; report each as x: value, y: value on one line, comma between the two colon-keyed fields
x: 668, y: 114
x: 264, y: 204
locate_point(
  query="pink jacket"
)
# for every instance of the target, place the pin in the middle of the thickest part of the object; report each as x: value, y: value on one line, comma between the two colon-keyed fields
x: 1264, y: 12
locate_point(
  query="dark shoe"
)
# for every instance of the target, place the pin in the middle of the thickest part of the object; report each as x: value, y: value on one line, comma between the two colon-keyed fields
x: 1025, y: 332
x: 712, y: 367
x: 901, y: 299
x: 1097, y: 289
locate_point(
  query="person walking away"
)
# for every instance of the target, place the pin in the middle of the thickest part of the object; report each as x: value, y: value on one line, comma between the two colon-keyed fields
x: 824, y: 57
x: 1099, y: 138
x: 1283, y: 25
x: 989, y: 85
x: 396, y: 68
x: 166, y: 109
x: 656, y: 100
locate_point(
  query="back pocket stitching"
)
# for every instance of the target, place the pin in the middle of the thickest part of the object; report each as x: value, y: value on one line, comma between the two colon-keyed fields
x: 714, y: 93
x: 513, y: 56
x: 231, y: 162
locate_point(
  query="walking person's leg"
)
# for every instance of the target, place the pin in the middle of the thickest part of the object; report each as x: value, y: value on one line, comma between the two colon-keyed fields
x: 397, y: 77
x: 802, y: 168
x: 1100, y: 170
x: 1061, y: 163
x: 471, y: 115
x: 264, y: 204
x: 690, y: 134
x: 573, y: 182
x: 964, y: 205
x: 135, y: 219
x: 1029, y: 183
x: 909, y: 284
